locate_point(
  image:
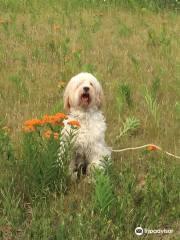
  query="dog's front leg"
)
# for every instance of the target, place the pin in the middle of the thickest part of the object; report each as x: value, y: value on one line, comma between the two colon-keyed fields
x: 77, y: 165
x: 97, y: 158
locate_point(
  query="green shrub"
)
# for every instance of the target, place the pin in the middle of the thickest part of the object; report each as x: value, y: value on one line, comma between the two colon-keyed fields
x: 44, y: 164
x: 103, y: 197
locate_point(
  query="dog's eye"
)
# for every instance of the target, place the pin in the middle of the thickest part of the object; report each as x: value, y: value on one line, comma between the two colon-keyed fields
x: 91, y: 84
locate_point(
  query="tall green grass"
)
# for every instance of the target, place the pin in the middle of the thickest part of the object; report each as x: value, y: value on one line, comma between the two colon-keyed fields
x: 118, y: 201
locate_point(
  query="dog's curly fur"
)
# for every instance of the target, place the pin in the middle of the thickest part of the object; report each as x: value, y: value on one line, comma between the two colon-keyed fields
x: 83, y: 97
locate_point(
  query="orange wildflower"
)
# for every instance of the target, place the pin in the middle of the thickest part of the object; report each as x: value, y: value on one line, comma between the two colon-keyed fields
x: 33, y: 122
x: 152, y: 147
x: 56, y: 135
x: 56, y: 119
x: 53, y: 119
x: 49, y: 119
x: 29, y: 128
x: 47, y: 134
x: 60, y: 116
x: 74, y: 123
x: 46, y: 119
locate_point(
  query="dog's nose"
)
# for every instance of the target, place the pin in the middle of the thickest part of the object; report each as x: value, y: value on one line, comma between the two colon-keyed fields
x: 86, y: 89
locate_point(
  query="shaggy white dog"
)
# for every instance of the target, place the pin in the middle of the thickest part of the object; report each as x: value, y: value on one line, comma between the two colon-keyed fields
x: 83, y: 97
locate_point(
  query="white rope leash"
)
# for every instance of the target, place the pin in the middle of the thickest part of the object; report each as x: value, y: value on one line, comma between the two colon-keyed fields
x: 150, y: 147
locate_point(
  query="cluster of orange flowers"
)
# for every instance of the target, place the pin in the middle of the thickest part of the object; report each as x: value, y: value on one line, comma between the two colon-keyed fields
x: 49, y: 133
x: 53, y: 120
x: 152, y: 147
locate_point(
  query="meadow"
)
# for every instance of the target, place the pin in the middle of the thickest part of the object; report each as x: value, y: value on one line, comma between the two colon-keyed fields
x: 133, y: 48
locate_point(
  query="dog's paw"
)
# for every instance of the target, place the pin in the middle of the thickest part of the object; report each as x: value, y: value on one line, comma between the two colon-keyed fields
x: 88, y: 179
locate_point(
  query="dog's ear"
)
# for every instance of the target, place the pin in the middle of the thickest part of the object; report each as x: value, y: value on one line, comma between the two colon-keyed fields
x: 99, y: 97
x: 66, y: 100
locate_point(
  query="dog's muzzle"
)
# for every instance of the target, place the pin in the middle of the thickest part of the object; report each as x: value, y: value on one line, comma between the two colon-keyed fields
x: 85, y: 99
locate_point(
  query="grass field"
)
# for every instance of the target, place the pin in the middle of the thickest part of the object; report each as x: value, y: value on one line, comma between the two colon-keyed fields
x: 133, y: 48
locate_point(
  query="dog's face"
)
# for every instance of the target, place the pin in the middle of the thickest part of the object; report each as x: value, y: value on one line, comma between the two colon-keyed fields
x: 83, y: 92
